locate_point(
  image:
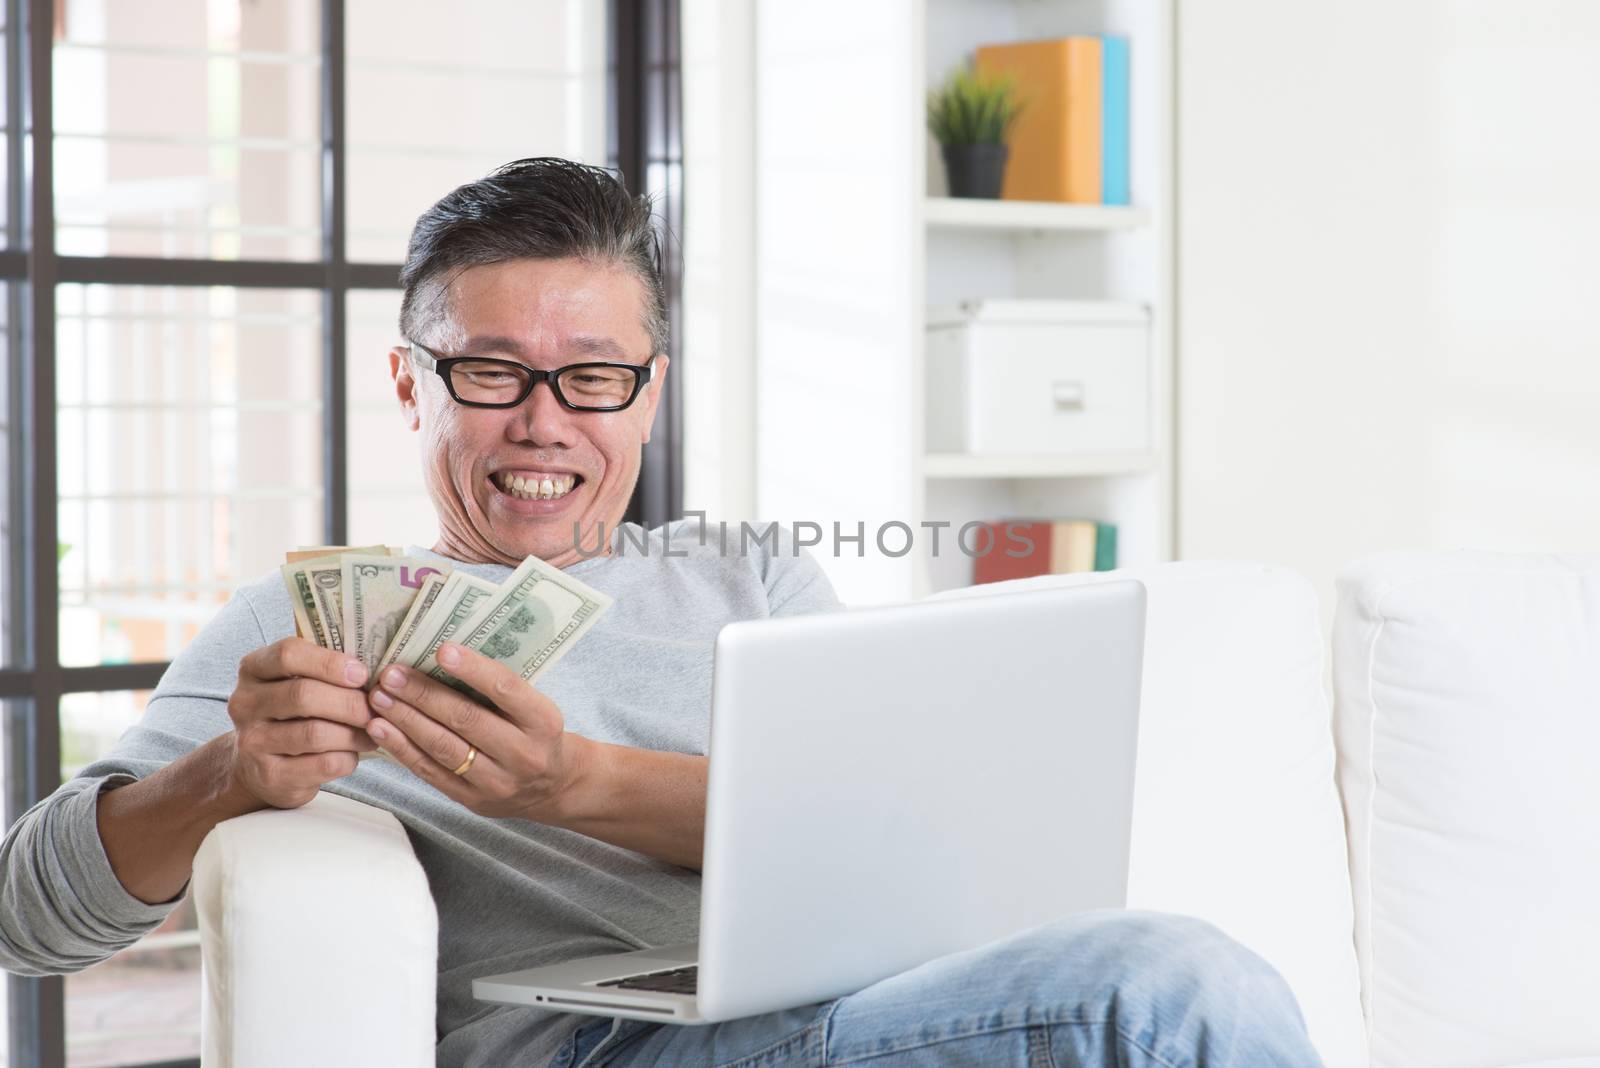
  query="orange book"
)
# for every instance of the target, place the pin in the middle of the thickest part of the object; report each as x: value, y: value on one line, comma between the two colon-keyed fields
x: 1055, y: 143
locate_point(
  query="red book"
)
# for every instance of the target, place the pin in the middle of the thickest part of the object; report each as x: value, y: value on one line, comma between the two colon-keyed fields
x: 1024, y: 548
x: 998, y: 565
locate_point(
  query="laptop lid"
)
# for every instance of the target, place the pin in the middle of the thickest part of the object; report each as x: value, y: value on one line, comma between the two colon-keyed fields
x: 889, y: 785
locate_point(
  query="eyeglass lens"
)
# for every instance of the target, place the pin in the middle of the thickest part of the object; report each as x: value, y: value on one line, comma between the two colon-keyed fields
x: 581, y: 387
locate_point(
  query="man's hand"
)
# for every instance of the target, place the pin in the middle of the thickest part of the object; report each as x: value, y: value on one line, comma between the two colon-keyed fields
x: 299, y: 720
x: 525, y: 760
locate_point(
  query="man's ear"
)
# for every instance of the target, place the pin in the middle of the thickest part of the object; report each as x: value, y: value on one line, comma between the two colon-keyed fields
x: 405, y: 385
x: 652, y: 395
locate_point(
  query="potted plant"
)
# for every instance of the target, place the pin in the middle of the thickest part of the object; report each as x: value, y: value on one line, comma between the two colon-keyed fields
x: 970, y: 117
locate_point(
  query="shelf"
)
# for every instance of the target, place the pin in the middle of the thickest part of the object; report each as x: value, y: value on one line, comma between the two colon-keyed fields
x: 968, y: 214
x: 1036, y: 465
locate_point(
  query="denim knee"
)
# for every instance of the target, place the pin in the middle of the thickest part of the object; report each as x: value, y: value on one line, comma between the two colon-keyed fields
x: 1147, y: 956
x: 1095, y: 989
x: 1171, y: 983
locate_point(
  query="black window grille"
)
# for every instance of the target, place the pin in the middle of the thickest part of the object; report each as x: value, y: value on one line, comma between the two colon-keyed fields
x: 644, y: 140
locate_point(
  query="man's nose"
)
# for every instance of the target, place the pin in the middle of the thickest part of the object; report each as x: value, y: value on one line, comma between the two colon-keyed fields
x: 542, y: 419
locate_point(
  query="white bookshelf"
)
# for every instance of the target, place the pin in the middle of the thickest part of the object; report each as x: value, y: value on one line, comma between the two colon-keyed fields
x: 976, y: 249
x: 856, y: 239
x: 1038, y: 465
x: 952, y: 213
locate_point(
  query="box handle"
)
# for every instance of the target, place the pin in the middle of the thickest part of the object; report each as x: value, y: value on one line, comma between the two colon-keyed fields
x: 1068, y: 395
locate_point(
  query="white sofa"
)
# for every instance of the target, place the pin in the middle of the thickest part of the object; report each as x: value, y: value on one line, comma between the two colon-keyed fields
x: 1447, y: 915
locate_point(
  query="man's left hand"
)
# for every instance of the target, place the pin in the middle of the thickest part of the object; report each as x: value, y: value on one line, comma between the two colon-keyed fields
x: 525, y: 760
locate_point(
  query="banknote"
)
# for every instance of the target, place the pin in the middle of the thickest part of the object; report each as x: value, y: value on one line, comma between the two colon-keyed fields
x: 533, y: 618
x: 457, y: 606
x: 427, y: 596
x: 314, y: 593
x: 311, y: 552
x: 301, y: 600
x: 376, y: 593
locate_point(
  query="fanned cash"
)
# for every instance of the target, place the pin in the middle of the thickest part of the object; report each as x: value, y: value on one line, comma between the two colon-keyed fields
x: 387, y: 608
x: 376, y: 593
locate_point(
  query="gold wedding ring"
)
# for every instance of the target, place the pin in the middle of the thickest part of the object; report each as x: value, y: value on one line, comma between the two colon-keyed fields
x: 466, y: 765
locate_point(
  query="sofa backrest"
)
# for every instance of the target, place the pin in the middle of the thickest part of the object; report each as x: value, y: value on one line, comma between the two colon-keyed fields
x: 1236, y: 819
x: 1468, y: 723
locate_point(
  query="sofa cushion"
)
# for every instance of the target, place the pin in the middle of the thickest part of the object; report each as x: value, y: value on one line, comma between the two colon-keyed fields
x: 1236, y: 818
x: 1468, y: 722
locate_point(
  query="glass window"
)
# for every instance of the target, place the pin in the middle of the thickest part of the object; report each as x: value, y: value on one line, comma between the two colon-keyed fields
x: 5, y: 207
x: 388, y: 502
x: 143, y: 1005
x: 9, y: 709
x: 12, y: 563
x: 434, y: 102
x: 189, y: 456
x: 189, y: 128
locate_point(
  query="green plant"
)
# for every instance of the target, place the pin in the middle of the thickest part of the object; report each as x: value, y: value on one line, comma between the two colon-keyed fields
x: 973, y: 109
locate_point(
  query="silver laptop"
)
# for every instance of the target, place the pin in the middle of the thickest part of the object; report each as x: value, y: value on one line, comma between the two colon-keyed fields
x: 889, y: 785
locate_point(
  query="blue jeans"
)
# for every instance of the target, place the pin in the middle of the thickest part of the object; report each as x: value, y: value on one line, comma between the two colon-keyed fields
x: 1100, y: 989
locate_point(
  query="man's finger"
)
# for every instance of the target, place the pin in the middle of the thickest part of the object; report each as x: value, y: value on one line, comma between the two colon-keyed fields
x: 505, y: 689
x: 408, y: 754
x: 297, y: 737
x: 308, y: 698
x: 314, y: 769
x: 298, y: 657
x: 483, y: 727
x: 440, y: 743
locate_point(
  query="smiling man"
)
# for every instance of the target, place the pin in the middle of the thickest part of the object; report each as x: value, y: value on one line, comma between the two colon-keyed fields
x: 567, y: 820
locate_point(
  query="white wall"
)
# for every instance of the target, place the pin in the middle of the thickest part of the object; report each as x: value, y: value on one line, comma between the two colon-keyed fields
x: 839, y: 289
x: 719, y: 326
x: 1388, y: 279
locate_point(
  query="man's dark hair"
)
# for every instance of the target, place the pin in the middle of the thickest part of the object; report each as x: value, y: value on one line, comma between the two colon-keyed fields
x: 542, y: 208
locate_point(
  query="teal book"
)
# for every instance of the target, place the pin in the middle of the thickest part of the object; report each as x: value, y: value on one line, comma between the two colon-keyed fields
x: 1114, y: 179
x: 1105, y: 547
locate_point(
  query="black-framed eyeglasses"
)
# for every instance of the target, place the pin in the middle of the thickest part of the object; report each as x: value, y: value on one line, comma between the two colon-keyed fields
x: 481, y: 382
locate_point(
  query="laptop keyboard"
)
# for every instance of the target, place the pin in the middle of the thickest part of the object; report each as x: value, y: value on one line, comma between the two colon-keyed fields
x: 672, y: 981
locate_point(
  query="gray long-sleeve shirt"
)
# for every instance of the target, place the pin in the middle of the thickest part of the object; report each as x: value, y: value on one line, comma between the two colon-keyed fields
x: 510, y: 893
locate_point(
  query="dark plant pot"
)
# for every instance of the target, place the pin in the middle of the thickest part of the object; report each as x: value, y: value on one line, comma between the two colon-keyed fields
x: 975, y: 170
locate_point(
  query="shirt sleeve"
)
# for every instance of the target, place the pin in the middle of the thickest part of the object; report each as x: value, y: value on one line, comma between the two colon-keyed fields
x: 796, y: 584
x: 62, y: 907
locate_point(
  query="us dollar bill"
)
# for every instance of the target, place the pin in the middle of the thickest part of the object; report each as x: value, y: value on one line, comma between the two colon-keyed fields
x: 306, y: 622
x: 534, y: 617
x: 308, y: 552
x: 456, y: 605
x: 426, y: 598
x: 377, y: 593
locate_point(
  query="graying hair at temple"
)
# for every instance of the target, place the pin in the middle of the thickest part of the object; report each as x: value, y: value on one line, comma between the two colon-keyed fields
x: 537, y: 208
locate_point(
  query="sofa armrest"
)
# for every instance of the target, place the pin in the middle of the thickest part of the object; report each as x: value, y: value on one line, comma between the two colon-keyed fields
x: 318, y: 938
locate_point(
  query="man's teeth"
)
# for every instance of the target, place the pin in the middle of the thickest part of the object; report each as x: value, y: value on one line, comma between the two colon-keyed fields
x: 536, y: 489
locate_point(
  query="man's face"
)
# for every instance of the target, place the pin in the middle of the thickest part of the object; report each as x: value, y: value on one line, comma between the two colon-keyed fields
x: 546, y: 314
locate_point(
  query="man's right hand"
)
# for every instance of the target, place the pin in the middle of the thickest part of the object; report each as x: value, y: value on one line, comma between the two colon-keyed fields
x: 299, y: 720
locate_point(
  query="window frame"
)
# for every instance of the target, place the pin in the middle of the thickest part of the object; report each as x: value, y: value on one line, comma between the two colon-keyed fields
x: 643, y: 119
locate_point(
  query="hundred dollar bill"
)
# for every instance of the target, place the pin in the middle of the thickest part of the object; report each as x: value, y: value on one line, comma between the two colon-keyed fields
x: 457, y: 604
x: 533, y: 618
x: 314, y: 585
x: 377, y: 593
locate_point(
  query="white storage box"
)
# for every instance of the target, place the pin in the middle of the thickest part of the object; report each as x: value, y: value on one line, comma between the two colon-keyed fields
x: 1038, y: 376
